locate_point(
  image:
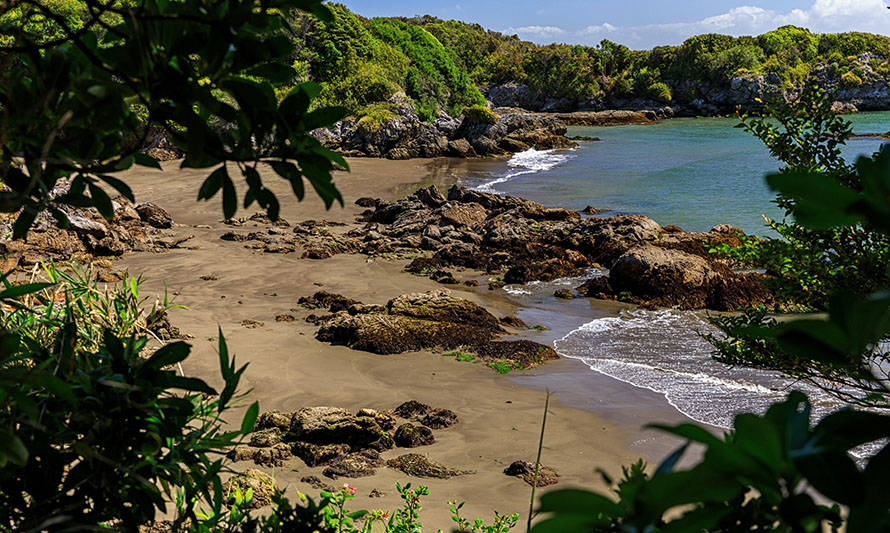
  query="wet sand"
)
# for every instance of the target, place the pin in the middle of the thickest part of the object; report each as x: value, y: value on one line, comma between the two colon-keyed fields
x: 595, y: 421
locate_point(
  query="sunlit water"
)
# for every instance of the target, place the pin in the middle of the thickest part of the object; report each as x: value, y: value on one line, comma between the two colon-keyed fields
x: 695, y: 173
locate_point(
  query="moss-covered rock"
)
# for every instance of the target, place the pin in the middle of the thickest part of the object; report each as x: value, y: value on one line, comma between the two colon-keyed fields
x: 262, y: 485
x: 418, y: 465
x: 411, y: 436
x: 442, y: 306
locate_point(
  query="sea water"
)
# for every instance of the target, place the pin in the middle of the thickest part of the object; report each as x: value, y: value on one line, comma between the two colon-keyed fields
x: 695, y: 173
x: 692, y: 172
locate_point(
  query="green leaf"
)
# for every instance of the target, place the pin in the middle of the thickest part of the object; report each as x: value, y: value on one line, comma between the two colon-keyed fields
x: 20, y: 290
x: 101, y: 201
x: 325, y: 116
x: 230, y: 198
x: 169, y: 355
x: 250, y: 417
x: 688, y: 431
x: 119, y: 186
x: 12, y: 449
x: 146, y: 160
x: 213, y: 183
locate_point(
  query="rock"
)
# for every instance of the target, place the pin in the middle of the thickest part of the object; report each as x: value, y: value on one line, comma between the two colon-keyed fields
x: 319, y: 455
x: 514, y: 322
x: 154, y: 215
x: 262, y: 485
x: 375, y: 494
x: 461, y: 148
x: 411, y: 436
x: 316, y: 483
x: 361, y: 464
x: 653, y: 271
x: 430, y: 196
x: 439, y: 418
x: 265, y: 438
x: 412, y: 409
x: 464, y: 215
x: 597, y: 287
x: 274, y: 455
x: 418, y: 465
x: 274, y: 419
x: 564, y: 294
x: 330, y: 425
x: 526, y: 471
x: 367, y: 202
x: 522, y: 354
x: 441, y: 306
x: 390, y: 334
x: 385, y: 421
x: 590, y: 210
x: 323, y: 299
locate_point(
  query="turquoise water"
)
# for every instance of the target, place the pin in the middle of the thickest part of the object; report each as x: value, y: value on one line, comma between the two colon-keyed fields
x: 695, y: 173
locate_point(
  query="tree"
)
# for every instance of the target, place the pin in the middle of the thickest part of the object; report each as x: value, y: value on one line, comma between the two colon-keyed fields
x: 79, y: 96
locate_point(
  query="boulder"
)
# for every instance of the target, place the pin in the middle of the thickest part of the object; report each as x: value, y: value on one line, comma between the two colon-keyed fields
x: 651, y: 271
x: 411, y: 436
x: 359, y: 464
x: 319, y: 455
x: 412, y: 409
x: 389, y: 333
x: 439, y: 418
x: 154, y: 215
x: 441, y: 306
x: 262, y: 485
x: 265, y: 438
x: 525, y: 470
x: 464, y: 215
x: 461, y: 148
x: 330, y: 425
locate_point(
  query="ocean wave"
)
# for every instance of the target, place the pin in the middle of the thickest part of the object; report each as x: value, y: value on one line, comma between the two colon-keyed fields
x: 663, y: 351
x: 527, y: 162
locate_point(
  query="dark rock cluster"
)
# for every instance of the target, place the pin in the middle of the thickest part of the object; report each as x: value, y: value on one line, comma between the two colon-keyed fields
x: 346, y: 444
x: 83, y: 234
x: 518, y: 241
x: 434, y: 320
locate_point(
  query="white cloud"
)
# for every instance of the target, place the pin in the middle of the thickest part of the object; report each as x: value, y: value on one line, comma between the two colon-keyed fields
x: 599, y: 28
x: 536, y: 33
x: 822, y: 16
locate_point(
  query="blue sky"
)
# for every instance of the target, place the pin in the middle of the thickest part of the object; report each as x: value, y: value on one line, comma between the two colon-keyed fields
x: 642, y: 23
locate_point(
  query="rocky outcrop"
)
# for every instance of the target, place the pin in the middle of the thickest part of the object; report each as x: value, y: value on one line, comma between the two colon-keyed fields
x: 434, y: 320
x: 343, y: 443
x: 83, y: 234
x: 406, y: 135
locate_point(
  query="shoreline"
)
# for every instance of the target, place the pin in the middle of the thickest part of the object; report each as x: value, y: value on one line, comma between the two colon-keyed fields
x: 584, y: 432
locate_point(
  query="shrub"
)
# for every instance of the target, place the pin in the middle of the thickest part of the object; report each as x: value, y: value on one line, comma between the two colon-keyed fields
x: 850, y: 80
x: 660, y: 92
x: 374, y: 117
x: 479, y: 114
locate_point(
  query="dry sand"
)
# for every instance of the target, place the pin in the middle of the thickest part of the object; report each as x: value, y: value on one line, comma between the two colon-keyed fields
x: 499, y: 416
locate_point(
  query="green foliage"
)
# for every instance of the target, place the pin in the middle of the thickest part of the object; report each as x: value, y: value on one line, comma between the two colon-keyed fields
x: 501, y: 367
x: 850, y: 80
x: 479, y: 114
x: 203, y: 73
x: 95, y: 427
x: 374, y: 117
x: 660, y: 92
x: 432, y: 76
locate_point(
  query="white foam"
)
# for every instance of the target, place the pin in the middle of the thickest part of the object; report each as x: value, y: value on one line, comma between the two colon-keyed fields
x: 528, y: 162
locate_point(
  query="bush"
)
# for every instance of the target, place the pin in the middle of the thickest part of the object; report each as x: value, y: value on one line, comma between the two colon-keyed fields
x: 850, y: 80
x: 479, y: 114
x: 660, y: 92
x: 374, y: 117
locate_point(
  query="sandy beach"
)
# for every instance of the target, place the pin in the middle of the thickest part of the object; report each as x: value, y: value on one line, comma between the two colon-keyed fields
x: 595, y: 421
